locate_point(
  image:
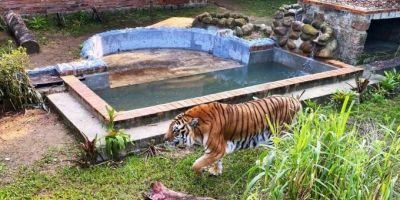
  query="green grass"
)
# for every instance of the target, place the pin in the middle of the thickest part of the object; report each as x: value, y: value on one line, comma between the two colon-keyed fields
x: 131, y: 179
x: 328, y: 158
x: 384, y: 112
x: 81, y: 23
x: 260, y: 8
x: 135, y: 176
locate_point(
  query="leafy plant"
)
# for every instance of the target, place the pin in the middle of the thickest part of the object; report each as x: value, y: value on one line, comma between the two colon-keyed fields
x: 392, y: 80
x: 377, y: 97
x: 389, y: 84
x: 37, y: 22
x: 90, y: 150
x: 340, y: 95
x: 311, y: 104
x: 7, y: 48
x: 15, y: 89
x: 78, y: 19
x: 323, y: 158
x: 116, y: 140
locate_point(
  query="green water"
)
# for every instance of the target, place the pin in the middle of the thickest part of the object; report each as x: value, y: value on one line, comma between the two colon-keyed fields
x: 165, y: 91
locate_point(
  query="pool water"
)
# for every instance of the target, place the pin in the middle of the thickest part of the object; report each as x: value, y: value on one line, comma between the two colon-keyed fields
x: 165, y: 91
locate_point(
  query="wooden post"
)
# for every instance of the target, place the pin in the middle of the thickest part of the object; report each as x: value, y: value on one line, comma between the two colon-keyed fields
x: 22, y: 34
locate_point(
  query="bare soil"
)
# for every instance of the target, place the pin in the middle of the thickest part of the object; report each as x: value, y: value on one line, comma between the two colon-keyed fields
x: 57, y: 48
x: 27, y: 138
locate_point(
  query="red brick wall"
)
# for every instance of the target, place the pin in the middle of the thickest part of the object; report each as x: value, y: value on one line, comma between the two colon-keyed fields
x: 52, y: 6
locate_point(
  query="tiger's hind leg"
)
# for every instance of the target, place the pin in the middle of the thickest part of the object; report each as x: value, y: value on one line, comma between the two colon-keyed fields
x: 216, y: 168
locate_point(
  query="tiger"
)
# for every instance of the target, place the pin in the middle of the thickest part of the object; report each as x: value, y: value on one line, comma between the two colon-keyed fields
x: 224, y: 128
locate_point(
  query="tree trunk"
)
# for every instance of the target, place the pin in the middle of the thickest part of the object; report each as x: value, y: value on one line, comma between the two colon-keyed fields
x: 21, y: 33
x: 160, y: 192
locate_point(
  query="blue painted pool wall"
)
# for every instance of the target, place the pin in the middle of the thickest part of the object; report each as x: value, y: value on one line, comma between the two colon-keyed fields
x: 220, y: 43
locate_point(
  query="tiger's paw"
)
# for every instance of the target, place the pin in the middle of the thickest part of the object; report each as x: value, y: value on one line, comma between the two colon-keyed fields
x: 215, y: 171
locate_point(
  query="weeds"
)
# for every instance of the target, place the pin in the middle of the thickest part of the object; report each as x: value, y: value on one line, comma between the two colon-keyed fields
x: 340, y: 95
x: 313, y: 105
x: 153, y: 150
x: 325, y: 159
x: 15, y: 89
x: 37, y: 22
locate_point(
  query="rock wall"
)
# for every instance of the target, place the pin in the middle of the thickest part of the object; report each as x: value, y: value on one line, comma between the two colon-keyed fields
x: 349, y: 29
x: 235, y: 21
x: 53, y: 6
x: 310, y: 35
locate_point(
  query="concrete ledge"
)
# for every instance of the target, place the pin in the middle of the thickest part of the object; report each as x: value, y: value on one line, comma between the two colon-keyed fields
x: 220, y: 43
x: 77, y: 68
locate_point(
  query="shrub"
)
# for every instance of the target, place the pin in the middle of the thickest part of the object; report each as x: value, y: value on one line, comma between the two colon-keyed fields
x: 15, y: 90
x: 37, y: 22
x: 116, y: 140
x: 391, y: 82
x: 340, y: 95
x: 325, y: 159
x: 313, y: 105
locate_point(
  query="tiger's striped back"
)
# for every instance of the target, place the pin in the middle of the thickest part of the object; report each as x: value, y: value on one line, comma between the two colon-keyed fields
x: 245, y: 125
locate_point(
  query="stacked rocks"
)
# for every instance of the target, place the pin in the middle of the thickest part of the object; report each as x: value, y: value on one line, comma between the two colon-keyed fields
x: 316, y: 31
x: 311, y: 35
x: 237, y: 22
x: 285, y: 27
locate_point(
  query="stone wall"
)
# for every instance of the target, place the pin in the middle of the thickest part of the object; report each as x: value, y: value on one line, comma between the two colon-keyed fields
x: 350, y: 27
x: 54, y: 6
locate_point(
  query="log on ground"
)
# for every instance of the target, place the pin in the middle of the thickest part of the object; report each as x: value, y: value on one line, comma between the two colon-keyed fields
x: 22, y: 34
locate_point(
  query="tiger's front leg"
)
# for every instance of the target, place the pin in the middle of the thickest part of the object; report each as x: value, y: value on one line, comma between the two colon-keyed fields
x: 216, y: 168
x: 205, y: 161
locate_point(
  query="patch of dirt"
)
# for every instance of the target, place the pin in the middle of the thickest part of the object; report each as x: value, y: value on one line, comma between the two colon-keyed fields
x: 57, y: 48
x: 228, y: 6
x: 26, y: 139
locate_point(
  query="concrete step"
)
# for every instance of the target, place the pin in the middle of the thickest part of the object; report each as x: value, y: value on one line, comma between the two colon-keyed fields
x: 83, y: 122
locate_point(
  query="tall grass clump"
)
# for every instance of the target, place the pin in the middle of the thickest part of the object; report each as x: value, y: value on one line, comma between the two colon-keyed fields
x: 15, y: 89
x: 324, y: 158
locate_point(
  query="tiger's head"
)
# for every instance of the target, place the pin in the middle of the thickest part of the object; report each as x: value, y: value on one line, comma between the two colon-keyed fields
x: 181, y: 130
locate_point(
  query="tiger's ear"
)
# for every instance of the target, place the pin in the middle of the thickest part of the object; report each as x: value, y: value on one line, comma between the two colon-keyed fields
x: 194, y: 123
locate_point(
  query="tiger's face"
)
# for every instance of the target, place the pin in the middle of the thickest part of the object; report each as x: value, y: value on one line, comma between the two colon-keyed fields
x: 180, y: 130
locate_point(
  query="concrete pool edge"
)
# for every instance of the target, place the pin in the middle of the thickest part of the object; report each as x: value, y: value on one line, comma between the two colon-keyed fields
x: 130, y: 39
x: 211, y: 41
x: 162, y: 112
